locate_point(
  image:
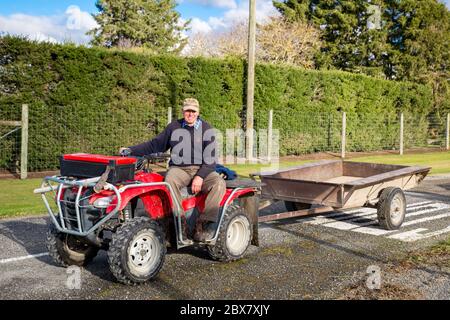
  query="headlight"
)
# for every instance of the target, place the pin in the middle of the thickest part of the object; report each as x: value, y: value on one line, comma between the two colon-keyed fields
x: 103, y: 202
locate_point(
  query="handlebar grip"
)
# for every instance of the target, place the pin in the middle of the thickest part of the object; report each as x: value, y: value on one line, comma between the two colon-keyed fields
x: 125, y: 152
x: 158, y: 155
x: 44, y: 189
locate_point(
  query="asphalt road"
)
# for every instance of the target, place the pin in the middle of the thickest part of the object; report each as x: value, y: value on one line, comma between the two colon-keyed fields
x: 323, y: 257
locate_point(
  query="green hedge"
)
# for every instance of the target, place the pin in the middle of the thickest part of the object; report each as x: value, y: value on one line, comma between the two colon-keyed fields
x: 73, y: 91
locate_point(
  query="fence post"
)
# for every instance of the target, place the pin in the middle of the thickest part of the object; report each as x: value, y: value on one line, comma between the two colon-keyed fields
x: 344, y: 125
x: 447, y: 128
x: 24, y: 143
x: 169, y: 115
x: 401, y: 133
x: 269, y: 136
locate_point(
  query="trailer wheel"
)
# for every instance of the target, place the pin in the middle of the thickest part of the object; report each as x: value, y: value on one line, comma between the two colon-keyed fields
x: 391, y: 209
x: 234, y: 237
x: 294, y: 206
x: 67, y: 250
x: 137, y: 251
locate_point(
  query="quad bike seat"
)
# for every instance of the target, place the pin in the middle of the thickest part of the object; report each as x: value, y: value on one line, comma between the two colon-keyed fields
x: 230, y: 184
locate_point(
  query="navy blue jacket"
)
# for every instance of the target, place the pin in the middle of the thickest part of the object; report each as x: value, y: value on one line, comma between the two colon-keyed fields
x: 199, y: 138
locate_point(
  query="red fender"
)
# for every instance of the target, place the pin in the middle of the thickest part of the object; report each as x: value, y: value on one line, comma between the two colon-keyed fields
x: 236, y: 195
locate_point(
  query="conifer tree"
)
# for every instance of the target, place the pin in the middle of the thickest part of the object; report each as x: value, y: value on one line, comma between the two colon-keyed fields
x: 152, y: 24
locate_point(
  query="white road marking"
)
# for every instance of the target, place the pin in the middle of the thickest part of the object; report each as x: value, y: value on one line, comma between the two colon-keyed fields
x: 415, y: 234
x: 31, y: 256
x: 343, y: 215
x: 368, y: 213
x: 377, y: 231
x: 356, y: 213
x: 439, y: 216
x: 357, y: 222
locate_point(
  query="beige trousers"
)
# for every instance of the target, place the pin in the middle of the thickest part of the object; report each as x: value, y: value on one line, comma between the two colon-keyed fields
x: 213, y: 185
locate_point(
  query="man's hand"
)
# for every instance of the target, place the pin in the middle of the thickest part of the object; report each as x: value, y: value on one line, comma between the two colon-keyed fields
x: 124, y: 151
x: 197, y: 184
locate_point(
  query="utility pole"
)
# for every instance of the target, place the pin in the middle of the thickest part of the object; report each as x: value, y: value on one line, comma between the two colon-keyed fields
x: 250, y: 77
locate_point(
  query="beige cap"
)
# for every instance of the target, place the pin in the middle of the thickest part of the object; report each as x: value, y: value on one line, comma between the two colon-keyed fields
x: 191, y: 104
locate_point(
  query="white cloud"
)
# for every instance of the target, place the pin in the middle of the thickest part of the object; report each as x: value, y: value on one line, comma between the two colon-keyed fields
x: 227, y: 4
x: 199, y: 26
x: 264, y: 10
x: 216, y: 23
x: 70, y: 26
x: 79, y: 20
x: 37, y: 36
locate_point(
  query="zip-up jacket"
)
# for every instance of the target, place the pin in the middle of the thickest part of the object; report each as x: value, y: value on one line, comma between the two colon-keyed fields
x: 189, y: 145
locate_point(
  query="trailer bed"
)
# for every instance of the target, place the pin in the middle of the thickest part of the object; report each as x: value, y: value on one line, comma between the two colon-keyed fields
x: 338, y: 184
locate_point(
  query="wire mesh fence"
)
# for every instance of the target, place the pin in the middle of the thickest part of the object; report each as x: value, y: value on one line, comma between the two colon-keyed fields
x: 367, y: 132
x: 10, y: 140
x: 64, y: 129
x: 96, y: 132
x: 425, y: 131
x: 307, y: 132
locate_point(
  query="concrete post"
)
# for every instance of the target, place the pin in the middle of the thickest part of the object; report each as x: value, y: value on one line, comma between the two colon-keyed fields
x: 401, y: 133
x: 343, y: 140
x: 24, y: 143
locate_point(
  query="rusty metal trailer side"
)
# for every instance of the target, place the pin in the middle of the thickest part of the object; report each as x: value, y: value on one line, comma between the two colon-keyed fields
x: 335, y: 184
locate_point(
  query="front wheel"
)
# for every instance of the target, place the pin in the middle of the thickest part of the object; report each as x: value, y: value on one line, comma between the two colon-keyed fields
x: 137, y: 251
x: 67, y: 250
x: 391, y: 209
x: 234, y: 237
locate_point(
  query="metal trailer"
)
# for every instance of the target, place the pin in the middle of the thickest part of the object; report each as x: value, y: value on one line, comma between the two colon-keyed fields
x: 325, y: 186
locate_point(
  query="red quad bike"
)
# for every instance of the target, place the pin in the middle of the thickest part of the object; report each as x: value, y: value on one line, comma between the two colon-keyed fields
x: 120, y: 205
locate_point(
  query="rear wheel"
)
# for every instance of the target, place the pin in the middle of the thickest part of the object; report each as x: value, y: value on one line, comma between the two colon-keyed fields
x: 391, y: 209
x: 294, y: 206
x: 66, y: 249
x: 234, y: 237
x: 137, y: 251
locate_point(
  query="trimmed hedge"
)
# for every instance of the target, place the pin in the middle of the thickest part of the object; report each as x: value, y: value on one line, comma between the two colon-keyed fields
x: 72, y: 91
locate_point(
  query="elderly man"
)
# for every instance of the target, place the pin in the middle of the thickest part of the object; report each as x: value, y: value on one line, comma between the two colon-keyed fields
x: 193, y: 159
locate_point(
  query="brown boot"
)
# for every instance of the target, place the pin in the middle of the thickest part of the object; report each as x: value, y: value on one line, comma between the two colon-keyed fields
x: 184, y: 228
x: 204, y: 231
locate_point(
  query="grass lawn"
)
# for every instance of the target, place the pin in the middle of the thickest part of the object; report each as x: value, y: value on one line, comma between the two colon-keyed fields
x: 17, y: 198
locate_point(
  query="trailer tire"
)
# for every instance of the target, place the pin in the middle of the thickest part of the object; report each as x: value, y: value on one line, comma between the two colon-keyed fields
x: 294, y: 206
x: 66, y: 250
x: 235, y: 235
x: 137, y: 251
x: 391, y: 208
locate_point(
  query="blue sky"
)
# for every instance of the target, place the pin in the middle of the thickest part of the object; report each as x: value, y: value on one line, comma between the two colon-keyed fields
x: 52, y: 7
x: 59, y: 20
x: 68, y: 20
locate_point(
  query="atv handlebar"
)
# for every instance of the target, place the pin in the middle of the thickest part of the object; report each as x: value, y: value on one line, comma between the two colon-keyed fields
x: 157, y: 156
x: 142, y: 161
x: 126, y: 152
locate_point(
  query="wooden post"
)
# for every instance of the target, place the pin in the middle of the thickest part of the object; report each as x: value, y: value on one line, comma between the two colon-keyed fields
x: 401, y: 133
x: 447, y: 129
x: 24, y: 143
x: 169, y: 115
x: 269, y: 136
x: 250, y: 78
x: 344, y: 126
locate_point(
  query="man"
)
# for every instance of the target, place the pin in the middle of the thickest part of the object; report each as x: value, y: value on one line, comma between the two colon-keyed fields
x: 193, y: 159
